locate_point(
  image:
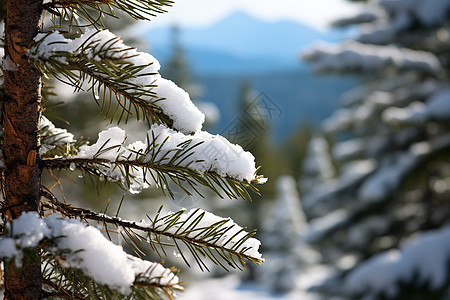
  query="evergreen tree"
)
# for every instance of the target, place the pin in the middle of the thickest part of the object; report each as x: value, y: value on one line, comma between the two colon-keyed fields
x: 177, y: 68
x: 318, y: 167
x: 295, y: 149
x: 251, y: 129
x: 52, y: 249
x: 381, y: 221
x: 286, y: 253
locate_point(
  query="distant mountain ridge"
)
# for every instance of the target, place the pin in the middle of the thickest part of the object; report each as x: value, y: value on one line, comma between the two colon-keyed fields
x: 241, y: 48
x: 242, y: 44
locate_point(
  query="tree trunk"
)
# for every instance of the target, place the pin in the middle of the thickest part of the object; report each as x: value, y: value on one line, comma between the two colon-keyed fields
x: 21, y: 110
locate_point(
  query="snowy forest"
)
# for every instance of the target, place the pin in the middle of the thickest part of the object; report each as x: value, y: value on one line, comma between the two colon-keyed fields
x: 120, y: 179
x: 376, y: 193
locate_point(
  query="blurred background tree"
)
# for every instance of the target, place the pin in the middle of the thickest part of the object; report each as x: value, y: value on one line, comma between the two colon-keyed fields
x: 177, y: 68
x: 392, y: 184
x: 287, y: 254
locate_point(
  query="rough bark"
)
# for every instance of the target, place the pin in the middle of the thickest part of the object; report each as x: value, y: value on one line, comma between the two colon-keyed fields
x: 21, y: 109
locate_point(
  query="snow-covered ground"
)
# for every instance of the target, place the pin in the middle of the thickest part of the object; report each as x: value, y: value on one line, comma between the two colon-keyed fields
x: 231, y: 287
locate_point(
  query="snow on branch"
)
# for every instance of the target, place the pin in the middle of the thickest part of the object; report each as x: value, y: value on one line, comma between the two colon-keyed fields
x: 351, y: 56
x: 377, y: 186
x: 394, y: 168
x: 428, y: 12
x: 405, y: 16
x: 52, y: 137
x: 349, y: 149
x: 332, y: 193
x: 85, y: 248
x: 186, y: 160
x: 102, y: 60
x: 422, y: 262
x: 320, y: 227
x: 363, y: 108
x: 204, y: 234
x: 362, y: 17
x: 436, y: 108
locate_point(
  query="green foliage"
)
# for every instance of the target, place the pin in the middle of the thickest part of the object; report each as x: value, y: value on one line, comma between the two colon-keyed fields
x: 93, y: 11
x: 154, y: 167
x: 179, y: 231
x: 254, y: 136
x: 295, y: 148
x: 108, y: 73
x: 106, y: 69
x: 60, y: 281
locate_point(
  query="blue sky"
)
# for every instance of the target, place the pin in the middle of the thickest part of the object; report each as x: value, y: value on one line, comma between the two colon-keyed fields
x: 199, y: 13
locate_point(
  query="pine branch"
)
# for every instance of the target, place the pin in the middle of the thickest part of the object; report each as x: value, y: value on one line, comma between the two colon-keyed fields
x: 57, y: 291
x: 167, y: 156
x: 68, y: 269
x: 48, y: 103
x: 69, y: 283
x: 63, y: 150
x: 75, y: 9
x: 57, y: 142
x: 130, y: 97
x: 219, y: 241
x: 186, y: 178
x: 106, y: 66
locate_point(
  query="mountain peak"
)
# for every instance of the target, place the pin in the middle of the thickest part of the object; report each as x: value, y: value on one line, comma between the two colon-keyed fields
x: 247, y: 21
x: 245, y: 39
x: 238, y: 20
x: 239, y: 17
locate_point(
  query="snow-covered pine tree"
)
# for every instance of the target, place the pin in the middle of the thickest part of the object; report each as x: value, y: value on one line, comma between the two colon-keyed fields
x: 286, y: 253
x: 383, y: 218
x: 49, y: 248
x: 317, y: 167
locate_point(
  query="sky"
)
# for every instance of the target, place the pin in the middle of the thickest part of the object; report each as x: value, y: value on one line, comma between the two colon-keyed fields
x: 200, y: 13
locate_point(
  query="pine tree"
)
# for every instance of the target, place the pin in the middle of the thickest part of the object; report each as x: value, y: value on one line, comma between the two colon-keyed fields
x: 52, y: 249
x: 177, y: 67
x: 287, y: 254
x: 317, y: 167
x: 252, y: 129
x: 382, y: 220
